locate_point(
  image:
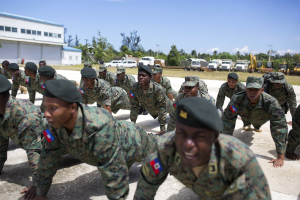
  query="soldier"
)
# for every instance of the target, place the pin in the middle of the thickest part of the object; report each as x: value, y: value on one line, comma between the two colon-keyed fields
x: 202, y: 87
x: 214, y: 166
x: 19, y: 79
x: 257, y: 107
x: 151, y: 95
x: 33, y: 83
x: 5, y: 70
x: 90, y: 134
x: 294, y: 137
x: 284, y: 92
x: 42, y: 63
x: 191, y: 89
x: 164, y: 82
x: 107, y: 76
x: 21, y: 122
x: 97, y: 90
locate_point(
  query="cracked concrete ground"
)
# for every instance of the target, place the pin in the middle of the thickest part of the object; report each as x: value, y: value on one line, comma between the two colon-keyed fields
x: 77, y: 180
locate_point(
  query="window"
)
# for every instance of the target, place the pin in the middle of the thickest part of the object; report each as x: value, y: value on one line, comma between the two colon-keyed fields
x: 70, y: 57
x: 33, y: 32
x: 50, y: 34
x: 55, y: 35
x: 7, y: 28
x: 45, y: 33
x: 28, y: 31
x: 23, y: 31
x: 1, y: 28
x: 76, y: 58
x: 14, y: 30
x: 59, y: 35
x: 39, y: 33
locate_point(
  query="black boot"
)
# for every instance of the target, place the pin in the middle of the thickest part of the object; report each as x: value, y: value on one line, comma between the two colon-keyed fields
x: 145, y: 112
x: 141, y: 110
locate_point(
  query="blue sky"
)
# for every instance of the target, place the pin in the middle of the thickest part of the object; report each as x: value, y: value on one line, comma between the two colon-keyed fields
x: 222, y: 25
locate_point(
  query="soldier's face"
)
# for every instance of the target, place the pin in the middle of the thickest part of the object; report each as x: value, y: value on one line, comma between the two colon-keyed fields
x: 143, y: 78
x: 57, y: 112
x: 27, y: 71
x: 156, y: 77
x: 6, y: 67
x: 254, y: 94
x: 191, y: 91
x: 277, y: 85
x: 44, y: 79
x: 41, y: 64
x: 102, y: 74
x: 14, y: 73
x: 88, y: 82
x: 194, y: 144
x: 231, y: 83
x: 121, y: 76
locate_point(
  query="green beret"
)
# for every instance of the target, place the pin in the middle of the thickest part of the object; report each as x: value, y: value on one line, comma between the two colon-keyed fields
x: 88, y: 73
x: 157, y: 70
x: 233, y: 76
x: 5, y: 85
x: 62, y: 89
x: 102, y: 68
x: 46, y: 71
x: 145, y: 69
x: 31, y: 66
x: 278, y: 77
x: 254, y: 82
x: 199, y: 113
x: 13, y: 66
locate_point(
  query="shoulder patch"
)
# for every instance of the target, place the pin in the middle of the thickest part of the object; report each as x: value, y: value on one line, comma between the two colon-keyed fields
x: 43, y: 86
x: 81, y: 91
x: 116, y: 81
x: 233, y: 109
x: 12, y: 78
x: 49, y: 137
x: 131, y: 94
x: 27, y: 80
x: 156, y: 166
x: 174, y: 106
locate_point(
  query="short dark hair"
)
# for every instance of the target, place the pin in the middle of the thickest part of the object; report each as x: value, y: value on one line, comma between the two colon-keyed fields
x: 42, y: 61
x: 5, y: 62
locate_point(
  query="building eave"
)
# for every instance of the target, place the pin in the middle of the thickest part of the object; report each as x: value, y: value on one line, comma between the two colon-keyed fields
x: 3, y: 38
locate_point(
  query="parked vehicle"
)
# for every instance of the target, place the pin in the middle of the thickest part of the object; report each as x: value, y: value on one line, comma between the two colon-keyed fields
x: 148, y: 60
x: 257, y: 66
x: 241, y: 65
x: 113, y: 63
x: 129, y: 63
x: 296, y: 70
x: 227, y: 65
x: 215, y: 64
x: 159, y: 63
x: 194, y: 64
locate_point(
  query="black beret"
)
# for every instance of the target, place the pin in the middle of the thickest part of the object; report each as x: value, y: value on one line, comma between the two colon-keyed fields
x: 13, y: 66
x: 146, y: 69
x: 62, y: 89
x: 88, y: 73
x: 233, y: 76
x: 31, y: 66
x: 199, y: 113
x: 46, y: 71
x: 5, y: 85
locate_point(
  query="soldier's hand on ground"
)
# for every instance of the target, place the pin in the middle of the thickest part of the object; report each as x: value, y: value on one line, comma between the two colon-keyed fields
x: 290, y: 123
x: 39, y: 198
x: 278, y: 162
x: 29, y: 192
x: 292, y: 156
x: 161, y: 132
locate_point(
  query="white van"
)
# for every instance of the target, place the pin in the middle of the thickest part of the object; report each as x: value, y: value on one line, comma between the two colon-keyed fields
x: 128, y: 63
x: 113, y: 63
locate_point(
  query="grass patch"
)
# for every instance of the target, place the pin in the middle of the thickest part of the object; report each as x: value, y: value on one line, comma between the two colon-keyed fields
x: 222, y: 76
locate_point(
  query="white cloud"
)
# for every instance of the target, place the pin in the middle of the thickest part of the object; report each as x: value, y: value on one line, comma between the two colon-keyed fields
x: 255, y: 52
x: 245, y: 49
x: 213, y: 49
x: 282, y: 52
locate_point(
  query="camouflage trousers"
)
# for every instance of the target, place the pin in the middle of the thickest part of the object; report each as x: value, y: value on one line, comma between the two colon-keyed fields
x: 33, y: 159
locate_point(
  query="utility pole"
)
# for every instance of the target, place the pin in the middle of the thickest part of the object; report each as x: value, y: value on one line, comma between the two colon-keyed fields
x: 86, y: 49
x: 270, y: 51
x: 157, y: 45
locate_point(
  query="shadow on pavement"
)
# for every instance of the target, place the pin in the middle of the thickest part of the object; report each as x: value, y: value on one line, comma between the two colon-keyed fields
x: 184, y: 193
x: 12, y: 146
x: 122, y: 117
x: 245, y: 136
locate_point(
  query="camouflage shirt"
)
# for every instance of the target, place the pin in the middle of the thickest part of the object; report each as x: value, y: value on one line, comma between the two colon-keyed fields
x: 110, y: 78
x: 22, y: 123
x: 266, y: 109
x: 2, y: 72
x: 294, y: 134
x: 226, y: 91
x: 33, y: 85
x: 22, y: 80
x: 231, y: 173
x: 202, y: 87
x: 127, y: 83
x: 97, y: 139
x: 172, y: 121
x: 154, y: 101
x: 165, y: 83
x: 284, y: 95
x: 6, y: 73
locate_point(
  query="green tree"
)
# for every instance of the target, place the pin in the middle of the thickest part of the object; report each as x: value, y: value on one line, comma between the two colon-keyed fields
x: 76, y: 41
x: 194, y: 53
x: 215, y: 53
x: 103, y: 49
x: 173, y: 57
x: 137, y: 54
x: 238, y: 54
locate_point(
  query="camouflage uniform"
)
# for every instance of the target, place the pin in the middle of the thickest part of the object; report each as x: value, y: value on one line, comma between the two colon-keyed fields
x: 154, y: 101
x: 202, y: 87
x: 110, y: 78
x: 2, y: 71
x: 165, y: 82
x: 99, y: 140
x: 227, y: 175
x: 266, y: 109
x: 22, y: 81
x: 34, y: 85
x: 6, y: 73
x: 172, y: 121
x: 294, y: 135
x: 226, y: 91
x: 22, y: 123
x: 105, y: 95
x: 127, y: 83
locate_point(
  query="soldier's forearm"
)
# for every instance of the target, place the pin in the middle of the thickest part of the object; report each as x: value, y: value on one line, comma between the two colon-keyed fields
x: 170, y: 96
x: 107, y: 108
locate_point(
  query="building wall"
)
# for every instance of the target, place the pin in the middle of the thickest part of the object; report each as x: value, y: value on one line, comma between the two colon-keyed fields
x: 71, y: 57
x: 30, y: 25
x: 9, y: 52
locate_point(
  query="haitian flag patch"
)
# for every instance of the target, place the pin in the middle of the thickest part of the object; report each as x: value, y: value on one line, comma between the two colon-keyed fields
x: 233, y: 109
x: 49, y: 137
x: 174, y: 106
x: 81, y: 91
x: 12, y: 78
x: 27, y: 80
x: 131, y: 94
x: 115, y: 81
x: 43, y: 86
x: 156, y: 166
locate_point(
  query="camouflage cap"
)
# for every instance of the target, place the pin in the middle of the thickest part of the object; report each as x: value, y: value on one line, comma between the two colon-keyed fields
x: 278, y: 77
x: 199, y: 113
x: 120, y: 70
x: 157, y: 70
x: 87, y: 64
x: 254, y: 82
x: 102, y: 68
x: 5, y: 85
x: 191, y: 81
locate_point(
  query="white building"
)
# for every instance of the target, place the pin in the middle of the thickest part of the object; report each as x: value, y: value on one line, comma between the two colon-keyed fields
x: 34, y: 40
